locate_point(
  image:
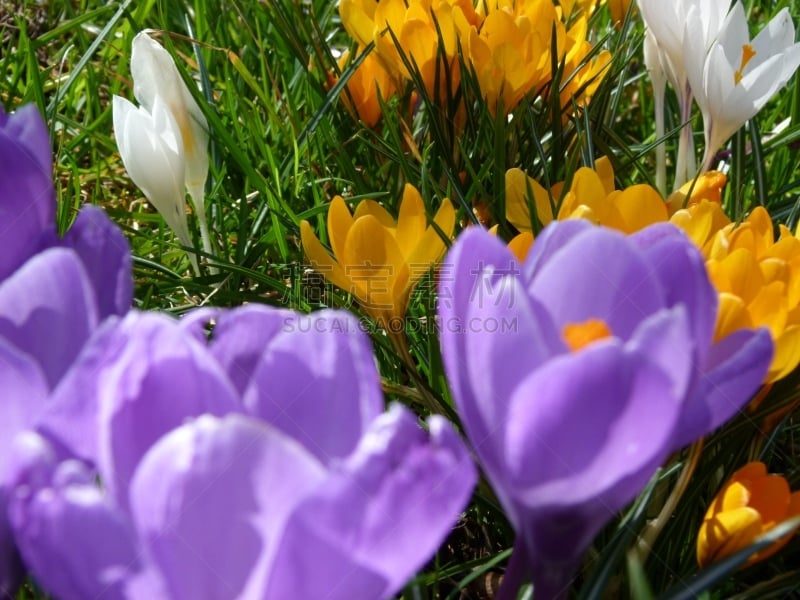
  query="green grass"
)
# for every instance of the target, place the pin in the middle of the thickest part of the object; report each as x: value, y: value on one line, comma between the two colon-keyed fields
x: 283, y: 144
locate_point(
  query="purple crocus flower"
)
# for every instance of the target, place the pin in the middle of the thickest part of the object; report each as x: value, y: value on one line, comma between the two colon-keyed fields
x: 257, y: 464
x: 577, y: 373
x: 53, y: 292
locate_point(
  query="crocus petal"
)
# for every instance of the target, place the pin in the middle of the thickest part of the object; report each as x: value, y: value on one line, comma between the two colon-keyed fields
x: 339, y: 223
x: 241, y: 336
x: 326, y: 403
x: 106, y: 256
x: 25, y: 392
x: 411, y: 220
x: 373, y: 261
x: 518, y: 188
x: 27, y: 211
x: 66, y: 520
x: 322, y: 261
x: 640, y: 206
x: 11, y: 568
x: 609, y: 281
x: 387, y: 510
x: 145, y: 376
x: 549, y: 241
x: 606, y: 459
x: 430, y: 246
x: 735, y: 369
x: 486, y: 294
x: 209, y: 467
x: 156, y: 76
x: 47, y: 309
x: 370, y: 207
x: 681, y: 270
x: 152, y: 151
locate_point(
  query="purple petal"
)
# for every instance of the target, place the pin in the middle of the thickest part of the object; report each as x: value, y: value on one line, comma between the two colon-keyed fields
x: 598, y: 274
x: 106, y: 255
x: 736, y: 367
x: 552, y: 238
x: 317, y: 381
x: 666, y: 341
x: 76, y: 544
x: 24, y: 394
x: 241, y: 337
x: 138, y: 380
x: 47, y: 309
x: 680, y: 267
x: 28, y: 205
x: 336, y: 575
x: 387, y: 510
x: 589, y: 427
x: 211, y: 500
x: 485, y: 315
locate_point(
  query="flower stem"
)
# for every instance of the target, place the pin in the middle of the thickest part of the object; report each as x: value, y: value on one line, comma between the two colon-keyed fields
x: 653, y: 529
x: 517, y: 573
x: 425, y: 397
x: 661, y: 150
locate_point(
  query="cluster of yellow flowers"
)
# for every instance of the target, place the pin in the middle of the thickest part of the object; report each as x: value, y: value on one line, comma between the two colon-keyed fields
x: 757, y: 277
x: 507, y: 44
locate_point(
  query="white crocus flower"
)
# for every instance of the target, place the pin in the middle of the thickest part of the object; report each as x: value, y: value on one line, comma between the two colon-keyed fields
x: 150, y: 144
x: 156, y: 78
x: 666, y: 23
x: 739, y: 76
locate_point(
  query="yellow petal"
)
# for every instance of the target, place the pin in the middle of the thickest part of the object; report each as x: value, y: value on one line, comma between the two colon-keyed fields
x: 787, y: 354
x: 519, y: 187
x: 357, y: 18
x: 521, y: 244
x: 321, y: 261
x: 374, y: 263
x: 769, y: 495
x: 411, y: 220
x: 726, y: 533
x: 339, y: 223
x: 370, y: 207
x: 605, y: 171
x: 732, y: 316
x: 431, y: 247
x: 589, y: 189
x: 696, y: 225
x: 640, y: 206
x: 743, y: 273
x: 707, y: 187
x: 768, y: 308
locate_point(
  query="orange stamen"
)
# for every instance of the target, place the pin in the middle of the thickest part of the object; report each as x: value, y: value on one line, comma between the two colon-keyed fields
x: 580, y: 335
x: 748, y: 52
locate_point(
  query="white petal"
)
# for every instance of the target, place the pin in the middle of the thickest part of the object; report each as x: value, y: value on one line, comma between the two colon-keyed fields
x: 152, y: 153
x: 155, y: 74
x: 734, y: 35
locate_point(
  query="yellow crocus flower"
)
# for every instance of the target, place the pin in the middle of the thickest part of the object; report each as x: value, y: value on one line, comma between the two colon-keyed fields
x: 580, y: 81
x: 417, y: 26
x: 367, y: 86
x: 510, y: 55
x: 758, y: 279
x: 377, y: 259
x: 591, y: 196
x: 750, y: 504
x: 707, y: 186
